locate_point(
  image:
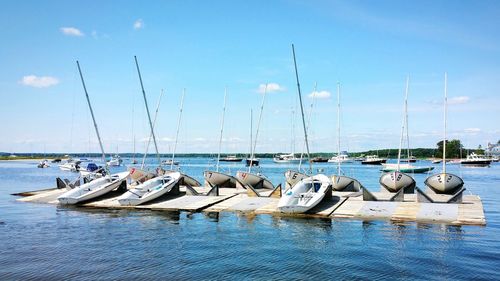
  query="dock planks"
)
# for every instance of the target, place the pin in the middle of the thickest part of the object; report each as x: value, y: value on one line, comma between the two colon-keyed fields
x: 340, y: 205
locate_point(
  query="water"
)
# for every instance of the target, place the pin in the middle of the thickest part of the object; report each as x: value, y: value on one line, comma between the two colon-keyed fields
x: 42, y: 241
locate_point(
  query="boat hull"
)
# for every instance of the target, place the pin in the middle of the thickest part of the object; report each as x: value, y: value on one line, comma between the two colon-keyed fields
x: 253, y: 180
x: 147, y: 191
x: 214, y: 178
x: 394, y: 181
x: 92, y: 189
x: 445, y: 183
x: 305, y: 195
x: 292, y: 177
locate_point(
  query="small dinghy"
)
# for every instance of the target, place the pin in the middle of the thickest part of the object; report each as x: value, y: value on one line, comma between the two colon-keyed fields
x: 70, y: 166
x: 149, y: 190
x: 222, y: 180
x: 292, y: 177
x: 254, y: 180
x: 93, y: 189
x: 394, y: 181
x: 306, y: 194
x: 444, y: 183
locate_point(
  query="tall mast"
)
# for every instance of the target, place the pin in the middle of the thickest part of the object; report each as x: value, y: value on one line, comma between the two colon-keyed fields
x: 93, y: 118
x: 406, y: 118
x: 251, y: 133
x: 258, y: 126
x: 404, y: 122
x: 147, y: 110
x: 445, y: 105
x: 221, y: 129
x: 309, y: 118
x: 178, y: 126
x: 338, y: 128
x: 302, y: 110
x: 154, y: 125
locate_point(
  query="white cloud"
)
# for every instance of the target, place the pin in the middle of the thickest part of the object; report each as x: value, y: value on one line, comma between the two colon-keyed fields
x: 271, y: 87
x: 458, y: 100
x: 39, y: 82
x: 138, y: 24
x: 71, y: 31
x: 320, y: 95
x: 472, y: 130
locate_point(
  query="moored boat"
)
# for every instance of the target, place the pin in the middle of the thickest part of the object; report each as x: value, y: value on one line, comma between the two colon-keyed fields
x: 405, y: 168
x: 373, y: 160
x: 93, y: 189
x: 286, y: 158
x: 304, y: 195
x: 474, y: 159
x: 149, y: 190
x: 254, y: 180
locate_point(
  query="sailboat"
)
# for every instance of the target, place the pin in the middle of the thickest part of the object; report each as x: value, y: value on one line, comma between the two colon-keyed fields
x: 308, y: 192
x: 339, y: 181
x: 247, y: 177
x: 289, y: 158
x: 149, y: 190
x: 97, y: 187
x: 405, y: 168
x: 395, y: 180
x: 444, y: 182
x: 216, y: 178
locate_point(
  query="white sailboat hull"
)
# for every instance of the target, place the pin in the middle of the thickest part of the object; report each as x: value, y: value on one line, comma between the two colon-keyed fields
x: 305, y: 195
x: 292, y: 177
x: 93, y: 189
x: 149, y: 190
x: 221, y: 179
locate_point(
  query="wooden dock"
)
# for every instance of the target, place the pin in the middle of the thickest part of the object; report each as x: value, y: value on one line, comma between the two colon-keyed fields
x: 340, y: 205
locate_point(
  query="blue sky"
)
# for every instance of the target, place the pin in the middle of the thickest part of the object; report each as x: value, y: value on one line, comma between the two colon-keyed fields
x: 205, y: 46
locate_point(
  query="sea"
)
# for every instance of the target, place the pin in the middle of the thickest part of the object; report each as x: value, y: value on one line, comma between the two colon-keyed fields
x: 49, y: 242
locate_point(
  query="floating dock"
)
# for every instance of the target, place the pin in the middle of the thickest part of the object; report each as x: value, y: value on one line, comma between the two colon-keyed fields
x: 339, y: 205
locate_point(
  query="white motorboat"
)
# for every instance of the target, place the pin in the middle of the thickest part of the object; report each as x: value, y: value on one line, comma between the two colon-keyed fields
x: 93, y: 189
x: 373, y: 160
x: 70, y: 166
x: 149, y: 190
x: 169, y: 162
x: 115, y: 160
x: 286, y: 158
x: 254, y: 180
x: 91, y: 168
x: 305, y: 195
x: 474, y: 159
x: 341, y: 158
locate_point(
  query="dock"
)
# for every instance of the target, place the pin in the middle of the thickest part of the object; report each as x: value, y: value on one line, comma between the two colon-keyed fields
x: 346, y: 205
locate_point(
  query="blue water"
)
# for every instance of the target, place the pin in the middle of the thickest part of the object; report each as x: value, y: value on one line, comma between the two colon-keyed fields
x: 42, y: 241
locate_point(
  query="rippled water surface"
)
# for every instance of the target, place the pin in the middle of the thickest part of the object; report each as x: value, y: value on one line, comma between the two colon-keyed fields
x: 42, y: 241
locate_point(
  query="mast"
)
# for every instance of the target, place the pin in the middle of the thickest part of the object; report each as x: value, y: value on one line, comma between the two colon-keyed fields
x: 404, y: 122
x: 178, y: 126
x: 309, y: 117
x: 338, y: 128
x: 302, y: 109
x: 221, y: 129
x: 445, y: 105
x: 406, y: 119
x: 251, y: 136
x: 258, y: 126
x: 93, y: 118
x: 154, y: 125
x: 147, y: 110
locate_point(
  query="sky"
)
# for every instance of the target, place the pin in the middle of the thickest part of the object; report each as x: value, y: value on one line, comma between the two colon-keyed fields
x: 208, y: 47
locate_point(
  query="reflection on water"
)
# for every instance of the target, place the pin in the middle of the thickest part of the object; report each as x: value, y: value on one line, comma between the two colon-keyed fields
x: 60, y: 242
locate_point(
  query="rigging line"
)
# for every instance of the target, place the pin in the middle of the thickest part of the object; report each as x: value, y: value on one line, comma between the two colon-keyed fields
x: 258, y: 126
x: 221, y: 129
x: 152, y: 135
x: 178, y: 126
x: 308, y: 122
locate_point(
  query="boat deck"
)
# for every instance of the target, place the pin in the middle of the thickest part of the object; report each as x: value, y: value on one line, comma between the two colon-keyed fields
x: 340, y: 205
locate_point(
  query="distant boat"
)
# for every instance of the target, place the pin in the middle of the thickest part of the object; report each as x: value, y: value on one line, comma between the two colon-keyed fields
x: 342, y: 158
x: 43, y: 164
x: 437, y: 161
x: 149, y: 190
x: 411, y: 159
x: 231, y: 158
x: 405, y: 168
x: 304, y: 195
x: 115, y: 161
x: 57, y: 160
x: 373, y: 160
x: 474, y: 159
x: 169, y: 162
x: 252, y: 161
x: 319, y: 160
x: 286, y: 158
x: 70, y: 165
